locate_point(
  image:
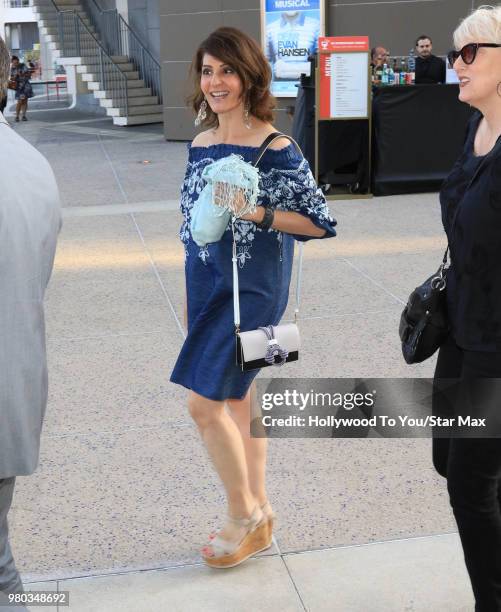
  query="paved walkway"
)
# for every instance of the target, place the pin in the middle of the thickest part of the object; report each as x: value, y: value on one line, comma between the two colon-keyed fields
x: 124, y: 496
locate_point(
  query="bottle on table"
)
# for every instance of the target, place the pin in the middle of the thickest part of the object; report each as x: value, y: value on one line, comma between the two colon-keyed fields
x: 386, y: 75
x: 412, y: 65
x: 391, y: 76
x: 403, y: 71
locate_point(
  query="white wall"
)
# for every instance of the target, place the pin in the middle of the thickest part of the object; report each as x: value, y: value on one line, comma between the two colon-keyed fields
x: 143, y: 18
x: 25, y: 15
x: 14, y: 15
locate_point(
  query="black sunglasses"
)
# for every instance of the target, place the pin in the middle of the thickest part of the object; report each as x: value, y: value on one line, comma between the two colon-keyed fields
x: 468, y: 53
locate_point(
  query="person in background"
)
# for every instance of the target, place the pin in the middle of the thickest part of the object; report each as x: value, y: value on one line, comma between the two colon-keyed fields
x: 470, y: 199
x: 430, y: 69
x: 30, y: 219
x: 21, y: 74
x: 379, y: 56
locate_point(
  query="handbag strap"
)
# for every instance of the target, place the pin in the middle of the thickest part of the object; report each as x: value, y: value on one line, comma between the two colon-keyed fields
x: 268, y: 141
x: 236, y: 293
x: 236, y: 290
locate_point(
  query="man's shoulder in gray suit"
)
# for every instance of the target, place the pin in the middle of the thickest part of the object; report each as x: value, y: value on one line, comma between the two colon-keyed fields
x: 30, y: 219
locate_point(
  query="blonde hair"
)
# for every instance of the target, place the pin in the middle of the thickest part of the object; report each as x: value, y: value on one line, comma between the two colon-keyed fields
x: 4, y: 66
x: 482, y: 26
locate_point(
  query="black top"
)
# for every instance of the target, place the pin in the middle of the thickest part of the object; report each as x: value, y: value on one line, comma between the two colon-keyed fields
x: 430, y: 70
x: 474, y: 279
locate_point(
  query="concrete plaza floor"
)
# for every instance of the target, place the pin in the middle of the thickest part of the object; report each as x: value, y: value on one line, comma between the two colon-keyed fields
x: 124, y: 496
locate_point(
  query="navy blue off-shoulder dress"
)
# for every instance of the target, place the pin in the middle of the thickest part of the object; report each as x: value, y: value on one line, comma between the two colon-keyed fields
x: 206, y: 363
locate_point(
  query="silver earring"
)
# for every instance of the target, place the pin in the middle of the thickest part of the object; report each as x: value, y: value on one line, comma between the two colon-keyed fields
x: 202, y: 113
x: 247, y: 121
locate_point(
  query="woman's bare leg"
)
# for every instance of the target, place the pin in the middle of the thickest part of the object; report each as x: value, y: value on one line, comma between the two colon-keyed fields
x: 226, y: 450
x: 255, y: 448
x: 19, y: 104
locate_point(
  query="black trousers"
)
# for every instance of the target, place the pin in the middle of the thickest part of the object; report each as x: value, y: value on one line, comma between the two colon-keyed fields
x: 472, y: 467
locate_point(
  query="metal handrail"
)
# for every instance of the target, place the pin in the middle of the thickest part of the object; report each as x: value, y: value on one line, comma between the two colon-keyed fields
x: 120, y: 39
x: 149, y: 68
x: 106, y: 23
x: 85, y: 44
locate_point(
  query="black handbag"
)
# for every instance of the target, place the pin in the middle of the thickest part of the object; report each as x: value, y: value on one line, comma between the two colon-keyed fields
x: 424, y: 323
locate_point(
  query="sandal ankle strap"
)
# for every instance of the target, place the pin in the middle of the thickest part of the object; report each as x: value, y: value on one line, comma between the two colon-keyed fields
x: 220, y: 546
x: 253, y: 519
x: 267, y: 509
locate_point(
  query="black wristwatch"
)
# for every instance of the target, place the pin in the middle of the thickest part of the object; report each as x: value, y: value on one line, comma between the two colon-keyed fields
x: 267, y: 222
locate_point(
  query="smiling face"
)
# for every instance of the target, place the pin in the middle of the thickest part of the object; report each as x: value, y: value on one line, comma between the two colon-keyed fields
x: 221, y: 85
x: 424, y: 48
x: 478, y: 81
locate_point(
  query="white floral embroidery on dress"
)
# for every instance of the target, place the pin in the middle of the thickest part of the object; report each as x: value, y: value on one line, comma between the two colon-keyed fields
x: 290, y: 190
x: 204, y: 253
x: 192, y: 185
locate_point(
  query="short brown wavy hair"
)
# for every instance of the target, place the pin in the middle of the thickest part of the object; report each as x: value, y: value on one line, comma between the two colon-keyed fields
x: 244, y: 55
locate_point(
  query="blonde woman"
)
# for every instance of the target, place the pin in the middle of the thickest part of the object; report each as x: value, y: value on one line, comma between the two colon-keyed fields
x: 471, y: 211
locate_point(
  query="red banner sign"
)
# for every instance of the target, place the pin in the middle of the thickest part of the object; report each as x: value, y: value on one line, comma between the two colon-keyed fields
x: 350, y: 72
x: 338, y: 44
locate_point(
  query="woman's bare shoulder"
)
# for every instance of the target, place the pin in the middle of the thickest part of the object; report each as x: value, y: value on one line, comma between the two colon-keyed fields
x: 280, y: 143
x: 204, y: 139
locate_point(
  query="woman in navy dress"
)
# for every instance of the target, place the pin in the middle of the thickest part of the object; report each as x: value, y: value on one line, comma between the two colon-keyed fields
x: 232, y: 98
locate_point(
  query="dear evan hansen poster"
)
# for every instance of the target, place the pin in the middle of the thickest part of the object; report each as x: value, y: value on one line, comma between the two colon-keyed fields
x: 290, y: 34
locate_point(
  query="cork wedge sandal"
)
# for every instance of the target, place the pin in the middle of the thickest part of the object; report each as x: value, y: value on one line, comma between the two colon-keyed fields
x: 227, y: 554
x: 269, y: 517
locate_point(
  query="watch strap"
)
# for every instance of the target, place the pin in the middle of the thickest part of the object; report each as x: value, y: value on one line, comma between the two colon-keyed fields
x: 267, y: 222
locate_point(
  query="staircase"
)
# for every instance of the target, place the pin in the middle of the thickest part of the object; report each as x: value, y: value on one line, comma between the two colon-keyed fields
x: 117, y: 68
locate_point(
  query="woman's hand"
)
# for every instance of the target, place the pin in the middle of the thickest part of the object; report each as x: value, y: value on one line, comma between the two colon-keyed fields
x: 238, y: 202
x: 257, y: 216
x: 285, y: 221
x: 229, y: 197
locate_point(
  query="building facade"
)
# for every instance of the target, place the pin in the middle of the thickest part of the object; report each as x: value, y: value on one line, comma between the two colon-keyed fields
x: 19, y: 29
x: 395, y: 24
x: 143, y: 17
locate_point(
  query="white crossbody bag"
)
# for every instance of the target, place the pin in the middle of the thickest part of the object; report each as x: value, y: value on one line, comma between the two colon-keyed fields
x: 272, y: 345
